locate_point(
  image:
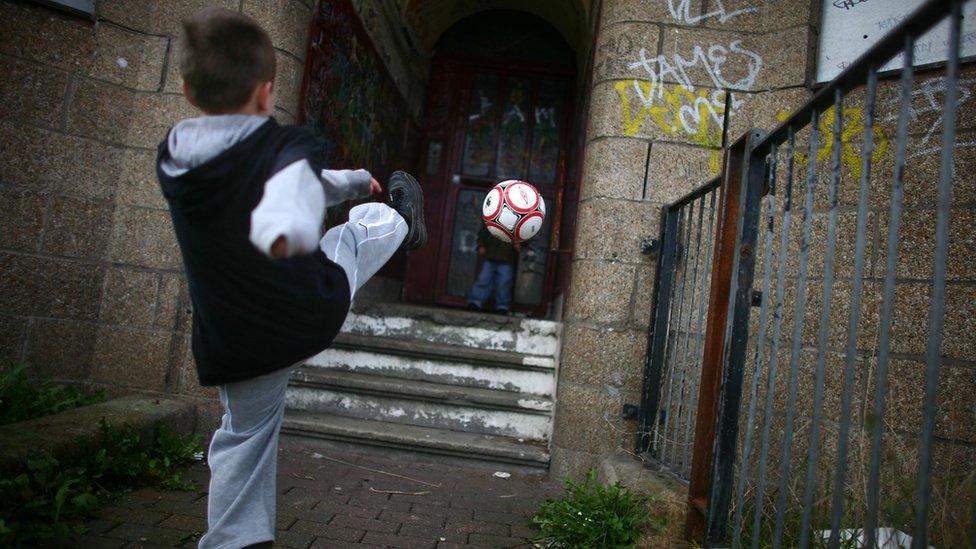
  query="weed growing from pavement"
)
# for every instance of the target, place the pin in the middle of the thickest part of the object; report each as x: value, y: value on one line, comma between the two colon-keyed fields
x: 593, y: 515
x: 53, y: 497
x: 23, y: 398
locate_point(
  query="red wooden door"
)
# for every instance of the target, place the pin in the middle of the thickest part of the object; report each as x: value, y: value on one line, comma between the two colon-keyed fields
x: 487, y: 122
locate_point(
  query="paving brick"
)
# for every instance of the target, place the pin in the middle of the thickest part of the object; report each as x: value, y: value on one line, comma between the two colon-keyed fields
x: 325, y: 531
x: 380, y: 504
x: 97, y: 542
x: 147, y: 534
x: 293, y: 539
x: 398, y: 541
x: 473, y: 527
x: 198, y: 507
x: 446, y: 512
x: 323, y: 543
x: 349, y: 510
x: 321, y: 516
x: 187, y: 523
x: 143, y: 517
x: 412, y: 518
x: 440, y: 500
x: 500, y: 518
x: 495, y: 541
x: 368, y: 524
x: 437, y: 534
x: 526, y: 531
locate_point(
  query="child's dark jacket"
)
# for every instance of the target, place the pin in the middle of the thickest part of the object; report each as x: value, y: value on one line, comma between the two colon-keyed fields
x: 251, y: 314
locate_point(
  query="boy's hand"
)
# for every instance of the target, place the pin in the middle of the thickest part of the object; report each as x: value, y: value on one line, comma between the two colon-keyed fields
x: 481, y: 250
x: 375, y: 187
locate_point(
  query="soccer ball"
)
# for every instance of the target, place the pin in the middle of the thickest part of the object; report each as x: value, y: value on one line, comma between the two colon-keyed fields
x: 513, y: 211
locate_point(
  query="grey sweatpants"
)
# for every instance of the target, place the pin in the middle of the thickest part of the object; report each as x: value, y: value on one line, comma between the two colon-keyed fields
x: 243, y: 455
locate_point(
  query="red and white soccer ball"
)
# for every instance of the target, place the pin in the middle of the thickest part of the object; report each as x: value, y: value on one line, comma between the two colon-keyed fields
x: 513, y: 211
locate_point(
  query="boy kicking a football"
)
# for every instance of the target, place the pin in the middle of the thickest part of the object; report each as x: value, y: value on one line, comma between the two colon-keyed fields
x: 247, y: 199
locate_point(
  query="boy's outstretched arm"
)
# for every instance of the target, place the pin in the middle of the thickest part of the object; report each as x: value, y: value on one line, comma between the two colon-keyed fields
x: 343, y: 185
x: 288, y: 220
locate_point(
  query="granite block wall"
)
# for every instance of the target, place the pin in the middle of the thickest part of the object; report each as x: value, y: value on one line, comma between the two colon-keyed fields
x: 91, y: 288
x: 654, y: 131
x: 654, y: 134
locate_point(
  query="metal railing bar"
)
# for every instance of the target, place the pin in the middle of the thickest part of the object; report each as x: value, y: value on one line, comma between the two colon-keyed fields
x: 830, y: 260
x: 700, y: 332
x: 673, y: 342
x: 798, y: 317
x: 752, y: 179
x: 924, y: 485
x: 860, y: 245
x: 760, y: 347
x: 688, y: 335
x: 784, y: 246
x: 713, y: 184
x: 657, y: 345
x: 887, y: 304
x: 914, y: 25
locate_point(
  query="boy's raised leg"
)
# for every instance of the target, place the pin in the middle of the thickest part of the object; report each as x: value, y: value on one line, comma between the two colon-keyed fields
x: 376, y: 231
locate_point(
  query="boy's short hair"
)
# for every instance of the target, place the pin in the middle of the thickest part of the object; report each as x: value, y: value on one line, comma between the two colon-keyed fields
x: 224, y: 56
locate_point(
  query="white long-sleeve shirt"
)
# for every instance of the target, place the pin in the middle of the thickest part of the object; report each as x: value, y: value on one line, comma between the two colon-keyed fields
x: 294, y: 203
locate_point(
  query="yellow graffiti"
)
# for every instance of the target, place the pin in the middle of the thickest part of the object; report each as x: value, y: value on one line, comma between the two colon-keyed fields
x: 852, y: 127
x: 676, y: 111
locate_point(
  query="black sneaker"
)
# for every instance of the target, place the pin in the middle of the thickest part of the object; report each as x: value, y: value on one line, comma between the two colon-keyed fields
x: 407, y: 199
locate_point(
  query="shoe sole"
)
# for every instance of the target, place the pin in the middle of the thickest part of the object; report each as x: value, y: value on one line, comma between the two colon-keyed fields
x: 417, y: 235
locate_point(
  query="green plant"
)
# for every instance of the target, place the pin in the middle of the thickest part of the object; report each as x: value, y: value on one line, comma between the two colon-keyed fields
x: 23, y: 398
x: 592, y: 515
x: 52, y: 498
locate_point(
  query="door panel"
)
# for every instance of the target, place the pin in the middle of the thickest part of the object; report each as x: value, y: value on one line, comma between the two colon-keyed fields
x: 508, y: 123
x: 462, y: 266
x: 479, y: 136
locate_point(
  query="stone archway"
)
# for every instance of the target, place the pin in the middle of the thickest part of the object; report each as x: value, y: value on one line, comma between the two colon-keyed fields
x: 431, y: 18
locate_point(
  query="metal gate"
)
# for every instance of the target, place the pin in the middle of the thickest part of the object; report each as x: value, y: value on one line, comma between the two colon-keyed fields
x: 803, y: 456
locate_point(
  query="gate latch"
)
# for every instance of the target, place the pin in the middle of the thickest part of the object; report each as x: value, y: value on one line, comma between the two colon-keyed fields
x: 756, y: 298
x: 648, y: 246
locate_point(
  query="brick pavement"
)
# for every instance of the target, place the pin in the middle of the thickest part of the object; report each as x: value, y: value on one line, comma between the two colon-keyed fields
x: 343, y: 496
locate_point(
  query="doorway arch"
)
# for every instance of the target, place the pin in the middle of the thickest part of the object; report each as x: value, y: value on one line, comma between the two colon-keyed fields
x: 502, y: 89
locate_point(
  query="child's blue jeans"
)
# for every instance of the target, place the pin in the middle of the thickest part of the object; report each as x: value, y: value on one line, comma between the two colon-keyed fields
x: 496, y: 275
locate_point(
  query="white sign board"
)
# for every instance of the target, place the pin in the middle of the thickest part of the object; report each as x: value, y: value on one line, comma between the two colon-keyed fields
x: 849, y: 27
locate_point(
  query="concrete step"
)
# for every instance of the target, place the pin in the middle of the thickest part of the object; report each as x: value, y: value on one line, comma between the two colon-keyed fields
x: 414, y: 438
x: 455, y: 395
x: 454, y: 327
x: 417, y: 403
x: 445, y: 364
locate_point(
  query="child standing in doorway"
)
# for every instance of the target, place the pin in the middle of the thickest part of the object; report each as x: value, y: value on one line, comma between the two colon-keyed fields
x: 497, y: 273
x: 247, y: 198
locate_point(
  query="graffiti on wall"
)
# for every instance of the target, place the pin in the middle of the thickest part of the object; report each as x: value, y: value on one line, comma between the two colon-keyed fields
x: 682, y: 110
x: 851, y: 139
x: 349, y: 100
x: 680, y: 10
x: 928, y: 106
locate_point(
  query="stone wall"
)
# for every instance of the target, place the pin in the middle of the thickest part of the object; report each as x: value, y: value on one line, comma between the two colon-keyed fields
x: 654, y: 134
x: 91, y: 287
x: 654, y: 130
